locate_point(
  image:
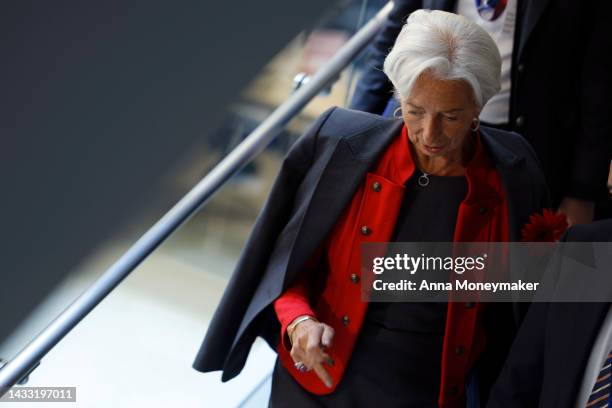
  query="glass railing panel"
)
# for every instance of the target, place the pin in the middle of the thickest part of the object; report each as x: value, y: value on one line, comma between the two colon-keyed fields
x: 136, y: 348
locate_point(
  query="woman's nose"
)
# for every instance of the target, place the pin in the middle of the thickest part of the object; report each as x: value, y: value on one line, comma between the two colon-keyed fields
x: 431, y: 129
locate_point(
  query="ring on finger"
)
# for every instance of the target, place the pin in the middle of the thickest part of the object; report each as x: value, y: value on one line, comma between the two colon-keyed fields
x: 301, y: 367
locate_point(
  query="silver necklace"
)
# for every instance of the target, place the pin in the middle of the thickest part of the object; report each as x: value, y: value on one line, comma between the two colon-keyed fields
x: 423, y: 179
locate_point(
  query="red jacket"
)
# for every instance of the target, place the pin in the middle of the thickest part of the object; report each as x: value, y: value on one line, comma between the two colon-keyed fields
x: 482, y: 217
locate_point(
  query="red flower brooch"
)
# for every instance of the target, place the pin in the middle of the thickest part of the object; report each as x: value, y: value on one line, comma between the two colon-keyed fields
x: 545, y: 227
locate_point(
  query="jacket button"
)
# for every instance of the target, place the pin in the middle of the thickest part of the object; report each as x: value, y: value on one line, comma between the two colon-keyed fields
x: 521, y: 68
x: 520, y: 121
x: 459, y: 350
x: 469, y: 305
x: 354, y: 278
x: 482, y: 210
x: 365, y: 230
x: 345, y: 320
x: 376, y: 186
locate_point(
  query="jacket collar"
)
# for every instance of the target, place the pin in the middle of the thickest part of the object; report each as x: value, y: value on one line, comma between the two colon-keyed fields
x: 366, y: 147
x: 397, y: 164
x: 500, y: 154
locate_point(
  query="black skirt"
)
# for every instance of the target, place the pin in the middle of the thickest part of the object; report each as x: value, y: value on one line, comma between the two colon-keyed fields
x: 387, y: 368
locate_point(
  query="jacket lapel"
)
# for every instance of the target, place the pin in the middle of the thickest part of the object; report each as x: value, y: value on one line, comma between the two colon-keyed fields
x: 533, y: 13
x: 345, y: 172
x: 514, y: 182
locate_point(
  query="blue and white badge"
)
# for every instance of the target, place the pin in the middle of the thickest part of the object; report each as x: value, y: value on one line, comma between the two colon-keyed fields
x: 491, y: 9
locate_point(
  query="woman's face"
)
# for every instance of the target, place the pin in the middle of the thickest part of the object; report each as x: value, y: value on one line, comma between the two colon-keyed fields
x: 438, y: 115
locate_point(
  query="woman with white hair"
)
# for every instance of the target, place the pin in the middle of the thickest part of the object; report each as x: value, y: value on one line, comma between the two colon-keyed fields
x: 432, y: 174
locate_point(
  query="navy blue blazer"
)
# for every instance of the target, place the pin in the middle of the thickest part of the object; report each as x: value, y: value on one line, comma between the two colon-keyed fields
x: 318, y: 178
x: 547, y: 361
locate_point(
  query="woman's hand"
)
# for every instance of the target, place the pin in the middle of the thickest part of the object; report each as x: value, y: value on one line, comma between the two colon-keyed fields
x: 309, y: 339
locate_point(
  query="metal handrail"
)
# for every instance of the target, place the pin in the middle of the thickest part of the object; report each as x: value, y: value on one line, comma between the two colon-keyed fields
x: 29, y: 357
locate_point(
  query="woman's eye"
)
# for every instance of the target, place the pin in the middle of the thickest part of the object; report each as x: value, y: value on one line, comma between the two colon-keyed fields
x: 412, y: 112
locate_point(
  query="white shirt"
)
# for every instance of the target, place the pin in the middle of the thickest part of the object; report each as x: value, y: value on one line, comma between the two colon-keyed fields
x: 497, y: 110
x: 599, y: 354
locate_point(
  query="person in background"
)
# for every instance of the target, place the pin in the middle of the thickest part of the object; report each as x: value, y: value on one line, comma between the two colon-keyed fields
x: 556, y: 87
x: 562, y: 354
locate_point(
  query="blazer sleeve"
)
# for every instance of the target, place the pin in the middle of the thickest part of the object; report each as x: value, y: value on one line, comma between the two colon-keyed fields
x: 374, y: 90
x: 229, y: 315
x: 593, y: 152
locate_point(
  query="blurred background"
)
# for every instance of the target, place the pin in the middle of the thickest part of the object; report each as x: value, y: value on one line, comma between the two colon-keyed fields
x: 136, y: 348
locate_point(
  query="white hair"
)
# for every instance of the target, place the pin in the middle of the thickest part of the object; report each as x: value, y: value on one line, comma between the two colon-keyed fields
x: 451, y: 47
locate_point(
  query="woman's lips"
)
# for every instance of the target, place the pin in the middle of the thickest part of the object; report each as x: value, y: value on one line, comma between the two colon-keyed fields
x: 433, y: 149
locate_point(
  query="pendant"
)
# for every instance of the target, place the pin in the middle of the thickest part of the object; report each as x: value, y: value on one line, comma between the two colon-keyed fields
x: 423, y: 179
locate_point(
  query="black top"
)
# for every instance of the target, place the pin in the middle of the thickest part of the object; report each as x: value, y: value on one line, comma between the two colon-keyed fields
x: 405, y: 339
x: 427, y: 214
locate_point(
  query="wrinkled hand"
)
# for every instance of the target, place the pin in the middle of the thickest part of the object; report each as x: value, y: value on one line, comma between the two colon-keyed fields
x: 577, y: 211
x: 309, y: 340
